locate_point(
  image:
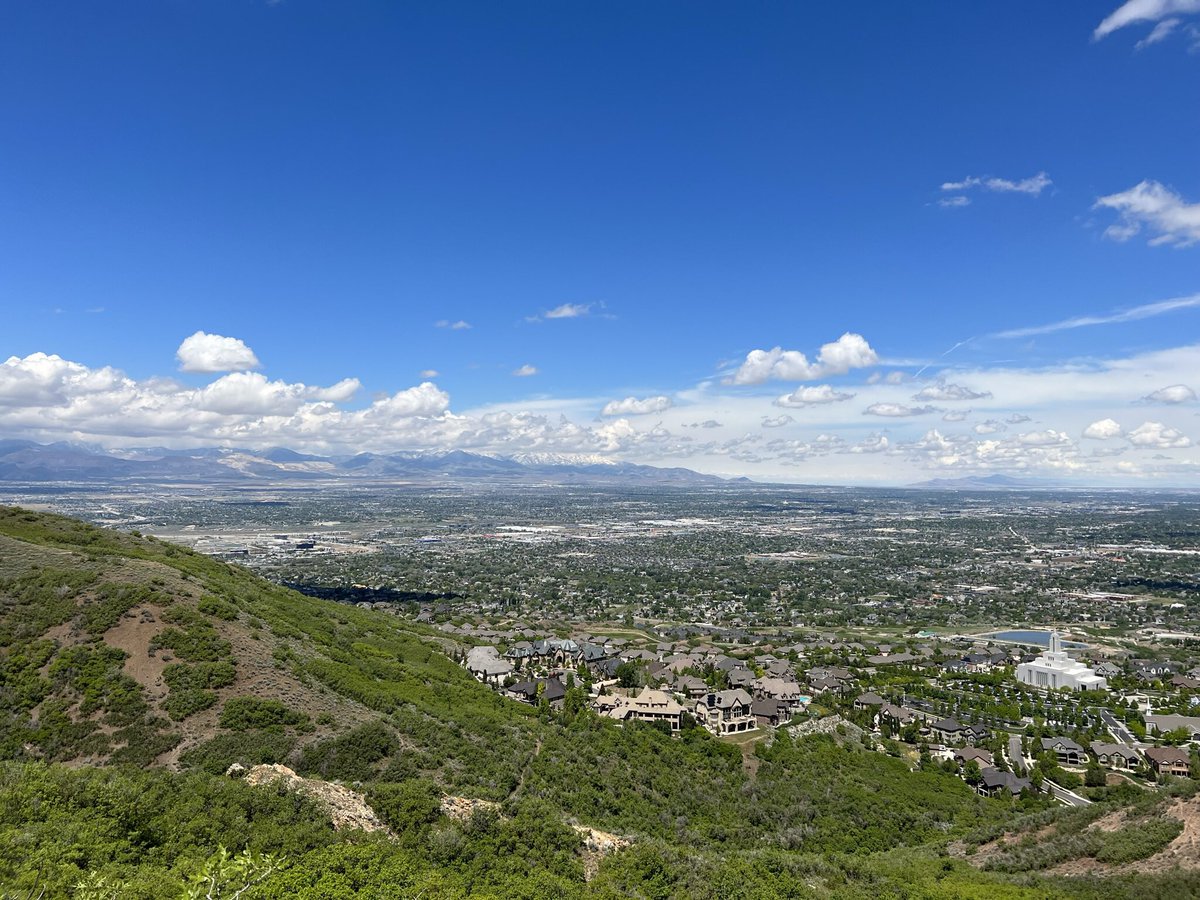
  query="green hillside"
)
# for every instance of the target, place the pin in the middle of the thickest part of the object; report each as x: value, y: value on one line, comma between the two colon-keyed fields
x: 133, y: 673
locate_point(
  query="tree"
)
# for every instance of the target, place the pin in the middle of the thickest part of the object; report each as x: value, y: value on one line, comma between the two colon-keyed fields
x: 629, y: 675
x: 226, y: 877
x: 972, y: 774
x: 1094, y: 775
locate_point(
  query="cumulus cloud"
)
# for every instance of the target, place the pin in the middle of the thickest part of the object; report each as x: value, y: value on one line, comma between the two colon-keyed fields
x: 632, y: 406
x: 991, y: 426
x: 897, y: 410
x: 1103, y: 430
x: 1174, y: 393
x: 777, y: 421
x: 945, y: 391
x: 1133, y: 12
x: 525, y: 371
x: 817, y: 395
x: 1171, y: 219
x: 565, y: 311
x: 956, y: 415
x: 875, y: 443
x: 1047, y: 438
x: 1018, y: 418
x: 429, y: 373
x: 850, y: 351
x: 1157, y: 436
x: 203, y: 352
x: 1032, y: 186
x: 459, y: 325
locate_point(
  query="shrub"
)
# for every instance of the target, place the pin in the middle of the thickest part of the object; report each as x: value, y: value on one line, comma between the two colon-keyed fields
x: 242, y: 713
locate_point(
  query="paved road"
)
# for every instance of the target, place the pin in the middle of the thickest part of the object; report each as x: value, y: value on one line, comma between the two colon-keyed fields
x: 1068, y: 797
x: 1016, y: 759
x: 1116, y: 727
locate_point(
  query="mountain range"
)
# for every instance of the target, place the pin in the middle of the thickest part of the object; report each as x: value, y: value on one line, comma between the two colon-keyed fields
x: 27, y: 461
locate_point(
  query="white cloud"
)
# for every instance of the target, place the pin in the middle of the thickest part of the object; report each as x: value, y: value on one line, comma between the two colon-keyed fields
x: 1174, y: 393
x: 850, y: 351
x: 525, y: 371
x: 632, y: 406
x: 1103, y: 430
x: 1173, y: 220
x: 1160, y: 32
x: 956, y: 415
x: 875, y: 443
x: 945, y: 391
x: 958, y: 200
x: 897, y: 410
x: 565, y: 311
x: 1157, y: 436
x: 991, y: 426
x: 429, y: 373
x: 777, y: 421
x: 203, y: 352
x: 1032, y: 186
x: 459, y: 325
x: 1146, y: 311
x: 817, y: 395
x: 1135, y: 11
x: 1047, y: 438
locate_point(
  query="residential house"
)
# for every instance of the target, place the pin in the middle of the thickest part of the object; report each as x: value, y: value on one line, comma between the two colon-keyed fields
x: 964, y: 755
x: 649, y: 706
x: 1162, y: 723
x: 552, y: 691
x: 898, y: 716
x: 996, y: 783
x: 868, y: 700
x: 950, y: 730
x: 726, y: 712
x: 1116, y: 756
x: 1108, y: 670
x: 1169, y: 760
x: 1065, y: 750
x: 486, y: 665
x: 770, y: 712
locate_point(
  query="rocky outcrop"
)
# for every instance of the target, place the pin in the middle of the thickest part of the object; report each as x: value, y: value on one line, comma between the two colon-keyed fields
x: 346, y: 808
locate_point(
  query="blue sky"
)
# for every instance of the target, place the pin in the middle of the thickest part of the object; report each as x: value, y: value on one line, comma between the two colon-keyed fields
x: 682, y: 183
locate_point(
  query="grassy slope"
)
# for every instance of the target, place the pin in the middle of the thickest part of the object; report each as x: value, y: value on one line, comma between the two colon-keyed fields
x: 362, y: 695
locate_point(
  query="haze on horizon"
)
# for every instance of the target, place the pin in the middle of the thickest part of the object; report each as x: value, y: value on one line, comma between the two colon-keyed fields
x: 856, y: 245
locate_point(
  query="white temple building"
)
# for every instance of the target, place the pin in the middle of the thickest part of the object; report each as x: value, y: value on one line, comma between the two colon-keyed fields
x: 1055, y: 669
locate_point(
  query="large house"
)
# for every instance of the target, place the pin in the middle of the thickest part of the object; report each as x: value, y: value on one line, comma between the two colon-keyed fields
x: 1169, y: 760
x: 726, y: 712
x: 486, y: 665
x: 1157, y: 723
x: 1055, y: 669
x: 648, y: 706
x: 997, y: 783
x: 1116, y: 756
x: 1065, y: 750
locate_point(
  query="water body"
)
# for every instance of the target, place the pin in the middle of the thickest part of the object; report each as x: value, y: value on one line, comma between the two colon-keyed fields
x: 1041, y: 638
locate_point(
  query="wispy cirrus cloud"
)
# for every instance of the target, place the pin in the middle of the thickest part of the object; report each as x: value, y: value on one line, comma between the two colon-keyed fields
x: 1145, y: 311
x: 1134, y: 12
x: 1032, y: 186
x: 1148, y: 204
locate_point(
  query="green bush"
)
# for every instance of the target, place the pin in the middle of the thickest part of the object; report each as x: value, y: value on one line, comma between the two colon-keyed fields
x: 241, y: 713
x: 218, y: 608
